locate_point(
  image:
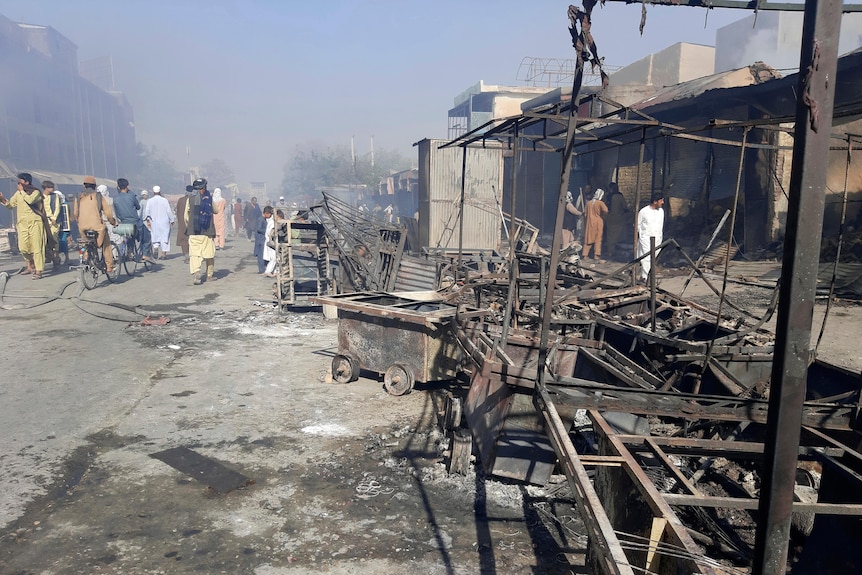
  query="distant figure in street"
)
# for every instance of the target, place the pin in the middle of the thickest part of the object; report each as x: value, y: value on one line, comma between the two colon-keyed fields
x: 269, y: 255
x: 650, y: 224
x: 260, y: 230
x: 251, y: 215
x: 237, y: 217
x: 594, y: 226
x: 145, y: 195
x: 161, y: 219
x: 220, y: 215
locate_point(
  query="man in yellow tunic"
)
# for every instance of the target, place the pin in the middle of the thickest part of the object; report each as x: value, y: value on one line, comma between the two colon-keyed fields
x: 51, y: 207
x: 200, y: 228
x: 31, y: 233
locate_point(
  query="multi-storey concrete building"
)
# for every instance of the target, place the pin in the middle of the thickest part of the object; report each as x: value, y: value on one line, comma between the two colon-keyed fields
x: 53, y: 122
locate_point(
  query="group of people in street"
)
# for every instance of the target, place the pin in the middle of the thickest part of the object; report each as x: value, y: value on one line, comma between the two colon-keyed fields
x: 42, y: 224
x: 603, y: 217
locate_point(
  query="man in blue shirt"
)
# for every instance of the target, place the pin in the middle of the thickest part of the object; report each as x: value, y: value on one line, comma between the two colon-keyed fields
x: 126, y: 209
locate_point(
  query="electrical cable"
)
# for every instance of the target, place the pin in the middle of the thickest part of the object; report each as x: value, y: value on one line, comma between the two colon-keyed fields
x: 75, y: 299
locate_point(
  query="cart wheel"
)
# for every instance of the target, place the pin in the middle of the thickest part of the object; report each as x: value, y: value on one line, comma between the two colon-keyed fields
x: 345, y: 368
x: 398, y: 379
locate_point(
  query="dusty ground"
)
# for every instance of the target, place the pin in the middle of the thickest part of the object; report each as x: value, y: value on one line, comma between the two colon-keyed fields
x: 347, y: 479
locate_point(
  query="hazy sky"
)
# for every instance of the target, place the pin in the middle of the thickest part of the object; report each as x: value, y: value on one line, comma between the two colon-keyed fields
x: 247, y: 80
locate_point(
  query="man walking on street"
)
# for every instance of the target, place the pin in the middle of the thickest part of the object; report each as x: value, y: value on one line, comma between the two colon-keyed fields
x: 52, y: 206
x: 145, y: 196
x: 251, y: 215
x: 29, y: 224
x: 161, y: 219
x: 200, y: 222
x: 237, y: 217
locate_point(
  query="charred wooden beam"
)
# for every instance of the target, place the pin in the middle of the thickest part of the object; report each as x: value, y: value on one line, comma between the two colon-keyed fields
x: 601, y: 531
x: 683, y: 499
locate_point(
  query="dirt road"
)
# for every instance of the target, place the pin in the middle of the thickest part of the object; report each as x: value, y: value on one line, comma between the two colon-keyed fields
x: 345, y: 478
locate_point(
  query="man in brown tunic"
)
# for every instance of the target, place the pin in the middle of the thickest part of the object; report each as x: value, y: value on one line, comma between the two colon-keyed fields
x: 594, y: 225
x: 88, y: 212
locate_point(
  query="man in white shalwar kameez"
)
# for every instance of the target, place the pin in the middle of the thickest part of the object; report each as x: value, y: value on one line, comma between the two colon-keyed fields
x: 268, y: 252
x: 650, y: 224
x: 161, y: 218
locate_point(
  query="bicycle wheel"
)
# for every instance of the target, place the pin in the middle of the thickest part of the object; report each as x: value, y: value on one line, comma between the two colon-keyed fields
x: 114, y: 275
x: 89, y: 276
x: 130, y: 260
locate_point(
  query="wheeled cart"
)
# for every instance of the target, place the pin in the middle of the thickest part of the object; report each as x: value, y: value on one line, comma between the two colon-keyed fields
x: 407, y: 340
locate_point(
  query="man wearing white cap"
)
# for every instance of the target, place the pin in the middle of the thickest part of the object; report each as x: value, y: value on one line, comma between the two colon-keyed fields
x: 161, y: 218
x: 145, y: 195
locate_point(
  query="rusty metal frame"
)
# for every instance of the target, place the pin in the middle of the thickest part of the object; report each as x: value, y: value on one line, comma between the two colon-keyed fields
x: 586, y: 394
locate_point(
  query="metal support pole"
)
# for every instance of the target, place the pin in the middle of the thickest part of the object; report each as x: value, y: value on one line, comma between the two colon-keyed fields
x: 513, y: 272
x: 637, y: 201
x: 568, y: 150
x: 461, y: 211
x: 652, y: 282
x: 816, y: 91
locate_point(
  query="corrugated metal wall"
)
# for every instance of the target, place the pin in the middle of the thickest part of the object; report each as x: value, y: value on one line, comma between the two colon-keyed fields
x: 440, y: 193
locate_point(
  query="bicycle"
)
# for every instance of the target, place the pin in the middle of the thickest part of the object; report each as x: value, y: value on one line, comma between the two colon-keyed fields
x: 93, y: 262
x: 130, y: 250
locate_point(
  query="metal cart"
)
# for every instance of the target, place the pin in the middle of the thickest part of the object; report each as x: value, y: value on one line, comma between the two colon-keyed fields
x: 407, y: 340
